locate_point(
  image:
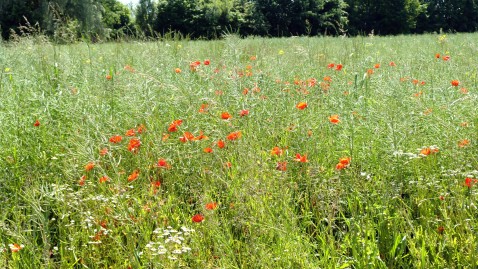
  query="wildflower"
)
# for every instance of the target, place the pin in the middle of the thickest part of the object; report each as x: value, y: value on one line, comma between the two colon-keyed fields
x: 221, y: 144
x: 16, y: 247
x: 207, y: 62
x: 208, y: 150
x: 245, y: 91
x: 392, y: 64
x: 134, y: 145
x: 429, y: 150
x: 244, y: 112
x: 201, y: 136
x: 277, y: 151
x: 187, y: 136
x: 440, y: 229
x: 227, y: 165
x: 197, y: 218
x: 140, y: 129
x: 225, y: 116
x: 89, y: 166
x: 301, y: 158
x: 173, y: 127
x: 281, y: 166
x: 343, y: 163
x: 82, y: 180
x: 455, y: 83
x: 177, y: 70
x: 37, y: 123
x: 130, y: 132
x: 330, y: 66
x: 464, y: 124
x: 463, y: 143
x: 129, y: 68
x: 334, y: 119
x: 234, y: 135
x: 133, y: 176
x: 469, y: 182
x: 103, y: 151
x: 162, y: 163
x: 108, y: 77
x: 338, y: 67
x: 446, y: 58
x: 464, y: 90
x: 327, y: 78
x: 103, y: 179
x: 370, y: 72
x: 116, y: 139
x: 203, y: 108
x: 194, y: 65
x: 281, y: 52
x: 376, y: 66
x: 211, y: 206
x: 301, y: 105
x: 442, y: 197
x: 437, y: 56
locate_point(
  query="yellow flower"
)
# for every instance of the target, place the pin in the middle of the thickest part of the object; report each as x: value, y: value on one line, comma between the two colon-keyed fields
x: 281, y: 52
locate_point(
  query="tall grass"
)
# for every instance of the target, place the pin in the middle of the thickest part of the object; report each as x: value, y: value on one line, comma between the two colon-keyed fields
x: 390, y: 204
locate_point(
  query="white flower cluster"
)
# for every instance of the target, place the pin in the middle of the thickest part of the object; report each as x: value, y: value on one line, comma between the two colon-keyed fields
x: 169, y: 241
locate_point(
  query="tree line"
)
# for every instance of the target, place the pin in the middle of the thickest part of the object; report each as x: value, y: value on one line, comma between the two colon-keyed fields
x: 109, y: 19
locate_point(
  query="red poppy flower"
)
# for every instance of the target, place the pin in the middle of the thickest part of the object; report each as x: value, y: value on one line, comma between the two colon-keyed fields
x: 225, y: 116
x: 234, y: 135
x: 134, y: 145
x: 162, y: 163
x: 197, y: 218
x: 116, y: 139
x: 15, y: 247
x: 187, y: 136
x: 211, y: 206
x: 277, y: 151
x: 133, y: 176
x: 244, y: 112
x: 37, y: 123
x: 82, y: 180
x: 208, y: 150
x: 334, y: 119
x: 301, y: 158
x: 89, y: 166
x: 463, y: 143
x: 281, y: 166
x: 177, y: 70
x: 455, y: 83
x: 437, y: 56
x: 338, y: 67
x: 343, y: 163
x: 103, y: 179
x: 201, y: 136
x: 221, y: 144
x: 469, y: 182
x: 207, y: 62
x: 130, y: 132
x: 429, y: 150
x: 108, y: 77
x: 331, y: 65
x: 301, y: 105
x: 203, y: 108
x: 392, y: 64
x: 376, y: 66
x: 141, y: 129
x: 446, y: 57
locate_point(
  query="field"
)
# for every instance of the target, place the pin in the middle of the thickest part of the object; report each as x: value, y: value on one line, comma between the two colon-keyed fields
x: 305, y: 152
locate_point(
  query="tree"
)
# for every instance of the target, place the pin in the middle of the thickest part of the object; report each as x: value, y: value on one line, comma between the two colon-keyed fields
x: 146, y: 16
x: 116, y: 17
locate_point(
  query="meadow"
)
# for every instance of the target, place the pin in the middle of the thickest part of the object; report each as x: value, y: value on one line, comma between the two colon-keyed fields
x: 304, y: 152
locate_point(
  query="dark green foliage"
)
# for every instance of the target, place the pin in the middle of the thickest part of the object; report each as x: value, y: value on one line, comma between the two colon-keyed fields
x: 68, y: 20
